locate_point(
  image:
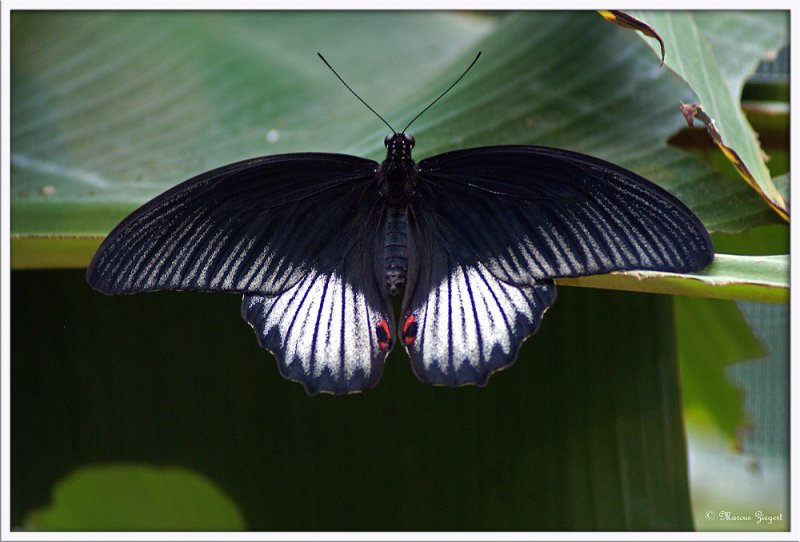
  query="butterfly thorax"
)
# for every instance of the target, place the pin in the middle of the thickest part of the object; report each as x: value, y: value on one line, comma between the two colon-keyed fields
x: 397, y: 175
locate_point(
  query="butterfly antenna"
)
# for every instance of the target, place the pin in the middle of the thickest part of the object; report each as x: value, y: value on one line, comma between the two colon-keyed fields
x: 339, y: 77
x: 443, y: 93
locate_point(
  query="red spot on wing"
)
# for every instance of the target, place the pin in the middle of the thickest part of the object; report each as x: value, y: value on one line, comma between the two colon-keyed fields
x: 384, y: 335
x: 410, y: 329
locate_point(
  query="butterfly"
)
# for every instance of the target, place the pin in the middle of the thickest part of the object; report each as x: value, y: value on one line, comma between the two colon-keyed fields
x: 320, y: 243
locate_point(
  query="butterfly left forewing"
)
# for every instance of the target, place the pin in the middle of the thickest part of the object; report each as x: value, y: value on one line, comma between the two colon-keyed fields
x: 532, y: 213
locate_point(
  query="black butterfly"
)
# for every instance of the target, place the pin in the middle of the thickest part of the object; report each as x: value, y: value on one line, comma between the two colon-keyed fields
x: 319, y: 244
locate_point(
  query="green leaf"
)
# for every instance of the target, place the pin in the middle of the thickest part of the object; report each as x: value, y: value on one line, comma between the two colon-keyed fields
x: 704, y: 326
x: 126, y: 104
x: 716, y: 73
x: 762, y: 240
x: 753, y: 278
x: 136, y: 498
x: 742, y: 39
x: 782, y: 184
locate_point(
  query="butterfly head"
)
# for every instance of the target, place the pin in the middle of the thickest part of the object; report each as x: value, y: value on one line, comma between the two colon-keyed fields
x: 398, y: 146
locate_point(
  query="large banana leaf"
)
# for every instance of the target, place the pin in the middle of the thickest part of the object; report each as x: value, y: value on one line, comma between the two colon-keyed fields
x: 127, y: 104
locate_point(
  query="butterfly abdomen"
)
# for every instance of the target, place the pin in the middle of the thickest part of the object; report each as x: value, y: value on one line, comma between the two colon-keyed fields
x: 395, y: 249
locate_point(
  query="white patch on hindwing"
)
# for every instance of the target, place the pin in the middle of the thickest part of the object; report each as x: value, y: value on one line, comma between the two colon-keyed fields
x: 324, y: 319
x: 467, y: 315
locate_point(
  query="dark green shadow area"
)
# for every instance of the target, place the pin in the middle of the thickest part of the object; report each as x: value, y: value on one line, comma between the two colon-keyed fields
x: 584, y: 432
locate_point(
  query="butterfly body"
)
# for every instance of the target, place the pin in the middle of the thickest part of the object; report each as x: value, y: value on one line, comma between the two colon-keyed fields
x: 395, y: 249
x: 397, y: 182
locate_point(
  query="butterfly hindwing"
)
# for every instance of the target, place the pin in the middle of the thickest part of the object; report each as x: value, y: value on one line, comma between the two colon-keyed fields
x: 533, y: 213
x: 460, y: 323
x: 330, y: 331
x: 256, y: 226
